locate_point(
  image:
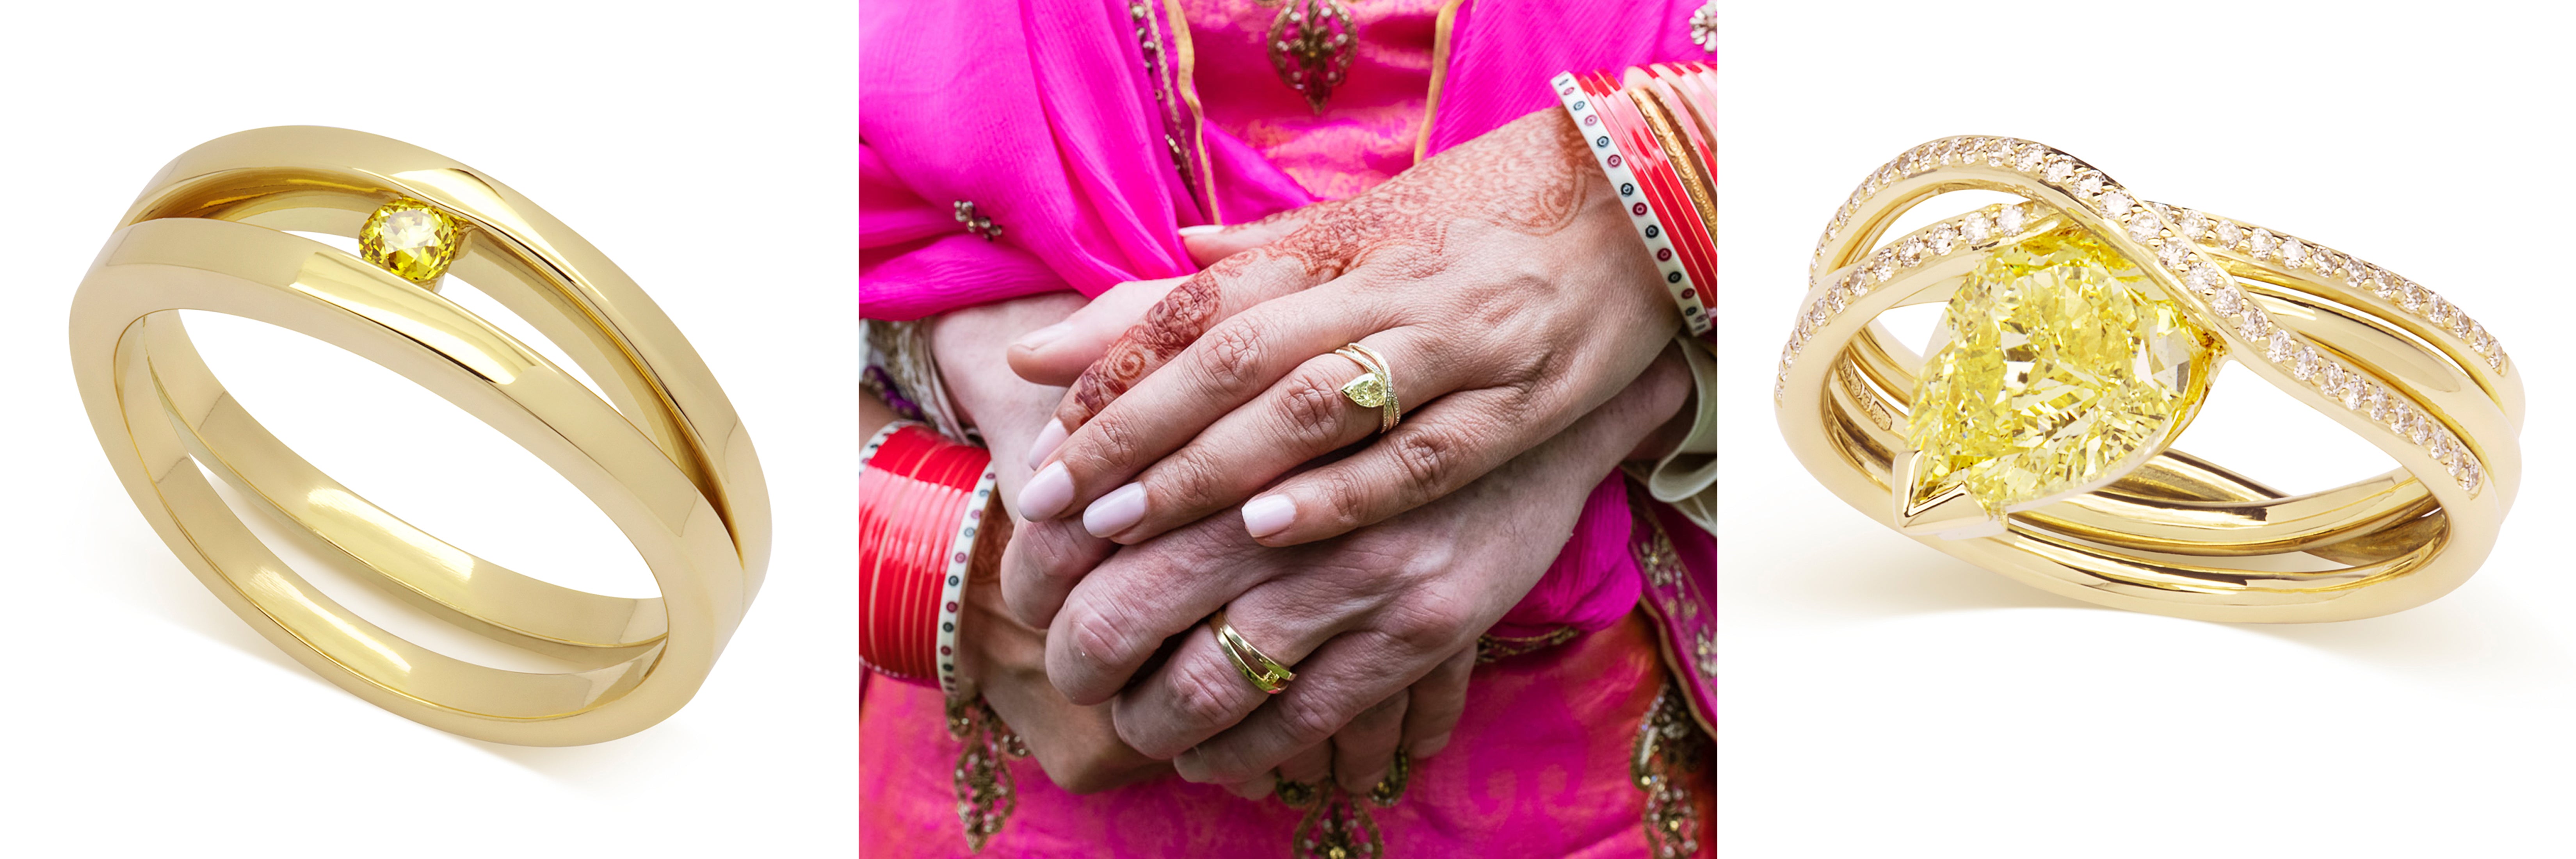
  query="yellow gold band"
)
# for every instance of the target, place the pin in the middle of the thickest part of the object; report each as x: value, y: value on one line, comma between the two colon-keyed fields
x: 1265, y: 673
x: 663, y: 455
x: 2165, y: 532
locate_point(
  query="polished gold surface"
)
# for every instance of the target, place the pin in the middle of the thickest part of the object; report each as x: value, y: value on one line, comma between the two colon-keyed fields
x: 1374, y: 387
x: 663, y: 454
x: 1265, y: 673
x: 2169, y: 533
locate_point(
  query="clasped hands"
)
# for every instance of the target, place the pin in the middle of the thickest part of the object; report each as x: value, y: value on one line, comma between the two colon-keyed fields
x: 1204, y: 458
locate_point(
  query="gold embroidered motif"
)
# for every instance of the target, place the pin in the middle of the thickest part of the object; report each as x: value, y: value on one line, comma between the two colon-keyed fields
x: 1311, y: 45
x: 1669, y: 747
x: 985, y: 796
x: 1493, y: 647
x: 1337, y: 825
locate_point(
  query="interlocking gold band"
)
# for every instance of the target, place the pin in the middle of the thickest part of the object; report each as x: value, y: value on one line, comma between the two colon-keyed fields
x: 1265, y: 673
x: 2176, y: 535
x: 1374, y: 388
x: 664, y: 455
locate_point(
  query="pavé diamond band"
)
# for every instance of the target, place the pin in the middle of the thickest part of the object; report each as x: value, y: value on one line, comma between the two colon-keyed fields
x: 663, y: 453
x: 2081, y: 329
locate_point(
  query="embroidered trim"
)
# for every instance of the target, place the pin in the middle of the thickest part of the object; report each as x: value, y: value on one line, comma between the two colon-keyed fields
x: 1495, y: 647
x: 1337, y: 825
x: 985, y: 795
x: 1673, y: 599
x: 1669, y: 747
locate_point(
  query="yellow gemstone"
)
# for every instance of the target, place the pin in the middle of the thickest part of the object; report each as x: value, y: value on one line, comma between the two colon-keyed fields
x: 410, y: 239
x: 2059, y: 370
x: 1368, y: 392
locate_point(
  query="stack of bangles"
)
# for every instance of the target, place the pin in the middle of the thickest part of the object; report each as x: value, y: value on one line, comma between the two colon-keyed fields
x: 1654, y: 130
x: 922, y: 500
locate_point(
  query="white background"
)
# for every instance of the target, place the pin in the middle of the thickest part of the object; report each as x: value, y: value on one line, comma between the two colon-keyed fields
x: 1883, y: 699
x: 709, y: 151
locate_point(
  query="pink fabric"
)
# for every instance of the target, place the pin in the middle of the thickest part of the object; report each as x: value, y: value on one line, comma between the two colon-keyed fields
x: 1593, y: 581
x: 1375, y: 115
x: 1538, y: 767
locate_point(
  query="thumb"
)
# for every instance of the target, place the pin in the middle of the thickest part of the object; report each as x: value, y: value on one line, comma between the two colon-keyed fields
x: 1210, y: 243
x: 1057, y: 354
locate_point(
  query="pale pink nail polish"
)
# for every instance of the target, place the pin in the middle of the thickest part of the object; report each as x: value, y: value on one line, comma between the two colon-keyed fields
x: 1039, y: 338
x: 1049, y: 439
x: 1047, y: 494
x: 1268, y: 514
x: 1117, y: 511
x: 1201, y: 230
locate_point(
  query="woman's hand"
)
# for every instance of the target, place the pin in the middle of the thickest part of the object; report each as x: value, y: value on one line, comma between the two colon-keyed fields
x: 1501, y: 281
x: 1361, y: 618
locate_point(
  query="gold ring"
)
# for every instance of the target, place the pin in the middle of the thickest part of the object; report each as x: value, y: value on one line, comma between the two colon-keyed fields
x: 1265, y: 673
x: 1375, y: 386
x: 2082, y: 327
x: 664, y: 455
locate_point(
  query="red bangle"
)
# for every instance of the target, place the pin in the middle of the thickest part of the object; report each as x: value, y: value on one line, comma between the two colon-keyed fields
x: 1588, y: 114
x: 1662, y: 188
x: 921, y: 502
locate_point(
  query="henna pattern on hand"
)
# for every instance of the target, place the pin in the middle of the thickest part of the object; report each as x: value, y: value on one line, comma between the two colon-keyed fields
x: 1528, y: 177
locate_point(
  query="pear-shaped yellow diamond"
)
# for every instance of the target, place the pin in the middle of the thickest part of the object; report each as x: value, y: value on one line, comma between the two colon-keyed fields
x: 410, y: 239
x: 2061, y: 371
x: 1368, y: 392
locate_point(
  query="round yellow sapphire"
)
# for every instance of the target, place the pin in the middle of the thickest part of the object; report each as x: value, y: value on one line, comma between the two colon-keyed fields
x: 2057, y: 369
x: 410, y: 239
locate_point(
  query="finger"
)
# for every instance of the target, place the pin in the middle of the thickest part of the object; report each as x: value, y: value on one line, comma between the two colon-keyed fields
x: 1199, y: 692
x: 1348, y: 675
x: 1042, y: 564
x: 1167, y: 403
x: 1431, y: 454
x: 1364, y: 750
x: 1435, y: 703
x: 1119, y: 615
x: 1300, y: 418
x: 1308, y: 766
x: 1056, y: 354
x: 1210, y: 243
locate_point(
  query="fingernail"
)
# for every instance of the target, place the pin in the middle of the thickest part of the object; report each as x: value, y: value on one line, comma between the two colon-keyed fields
x: 1047, y: 494
x: 1039, y: 338
x: 1201, y: 230
x: 1430, y: 747
x: 1254, y: 789
x: 1049, y: 439
x: 1268, y: 514
x: 1190, y: 766
x: 1117, y: 511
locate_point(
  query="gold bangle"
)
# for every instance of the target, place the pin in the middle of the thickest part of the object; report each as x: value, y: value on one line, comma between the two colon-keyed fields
x: 668, y: 462
x: 2141, y: 526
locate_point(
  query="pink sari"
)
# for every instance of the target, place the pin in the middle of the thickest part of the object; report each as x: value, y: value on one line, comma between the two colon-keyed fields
x: 1089, y: 150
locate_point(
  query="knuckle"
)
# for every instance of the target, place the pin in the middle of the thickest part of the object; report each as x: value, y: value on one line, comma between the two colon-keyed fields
x: 1099, y: 640
x: 1188, y: 482
x: 1206, y: 703
x: 1345, y: 501
x: 1433, y: 622
x: 1113, y: 444
x: 1309, y: 719
x: 1429, y: 457
x: 1310, y: 410
x: 1233, y: 355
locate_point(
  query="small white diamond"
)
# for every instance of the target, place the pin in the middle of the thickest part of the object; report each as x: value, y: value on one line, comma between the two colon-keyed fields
x: 2205, y: 278
x: 2283, y: 351
x: 2227, y: 300
x: 1910, y: 253
x: 2032, y: 155
x: 2116, y: 203
x: 2440, y: 447
x: 1883, y: 269
x: 1838, y: 298
x: 2385, y: 284
x: 2010, y: 219
x: 2355, y: 271
x: 2089, y: 184
x: 1855, y: 284
x: 2228, y: 234
x: 2293, y: 252
x: 2308, y: 365
x: 2439, y: 314
x: 2327, y: 262
x: 2419, y: 425
x: 2143, y: 227
x: 1998, y: 151
x: 1944, y: 239
x: 2172, y: 253
x: 2460, y: 323
x: 2479, y: 340
x: 2195, y: 226
x: 1977, y: 227
x: 2377, y: 405
x: 2357, y: 394
x: 2256, y: 324
x: 2469, y: 475
x: 2059, y: 170
x: 2330, y: 379
x: 2416, y: 297
x: 2262, y: 243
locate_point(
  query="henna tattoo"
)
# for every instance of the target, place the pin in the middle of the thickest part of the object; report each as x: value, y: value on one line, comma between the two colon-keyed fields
x: 1531, y: 176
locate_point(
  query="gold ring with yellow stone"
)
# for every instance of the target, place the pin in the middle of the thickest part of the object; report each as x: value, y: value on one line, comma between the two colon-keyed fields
x: 1374, y: 387
x: 658, y: 447
x: 2081, y: 329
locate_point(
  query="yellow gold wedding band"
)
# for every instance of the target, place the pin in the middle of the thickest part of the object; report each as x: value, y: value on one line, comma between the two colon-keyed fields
x: 663, y: 454
x: 1265, y: 673
x: 1374, y: 388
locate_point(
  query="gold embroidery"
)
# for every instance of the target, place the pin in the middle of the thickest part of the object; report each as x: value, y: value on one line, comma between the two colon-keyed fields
x: 1493, y: 647
x: 985, y: 796
x: 1336, y: 826
x: 1310, y: 51
x: 1669, y: 747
